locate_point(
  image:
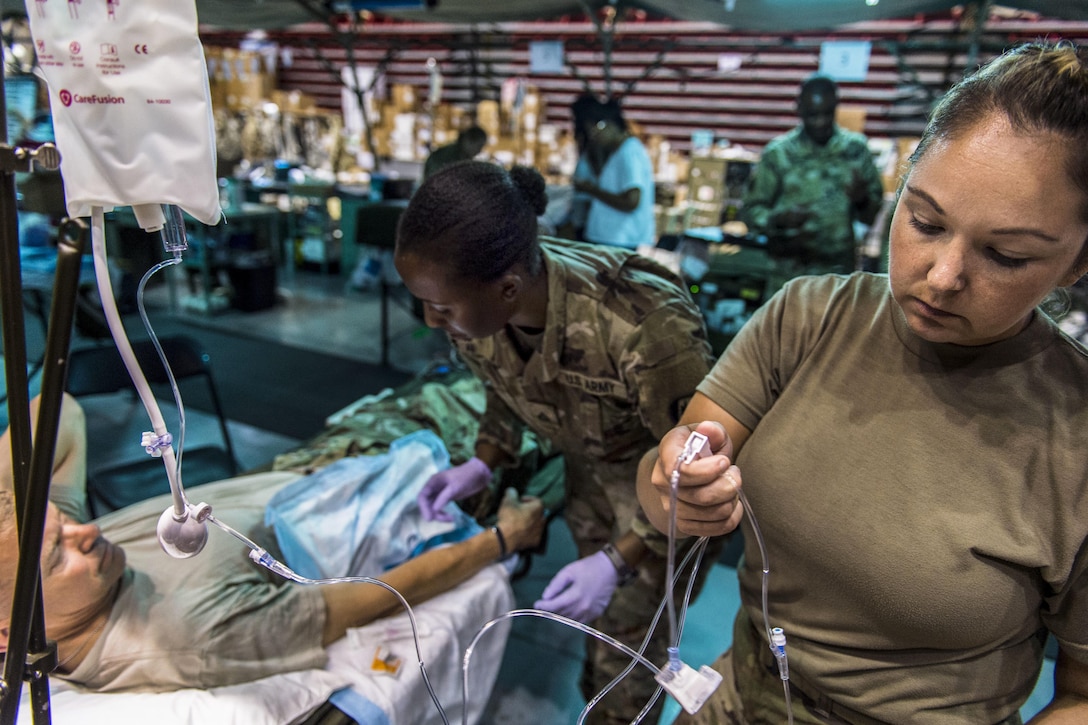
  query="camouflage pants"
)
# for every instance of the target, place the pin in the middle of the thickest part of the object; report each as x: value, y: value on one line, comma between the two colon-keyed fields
x: 751, y: 692
x: 600, y: 505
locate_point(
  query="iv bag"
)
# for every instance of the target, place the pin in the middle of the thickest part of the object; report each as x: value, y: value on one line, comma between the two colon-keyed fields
x: 128, y: 87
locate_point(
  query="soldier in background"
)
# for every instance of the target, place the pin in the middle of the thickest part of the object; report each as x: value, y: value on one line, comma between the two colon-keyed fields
x: 620, y: 187
x: 812, y: 183
x: 596, y: 350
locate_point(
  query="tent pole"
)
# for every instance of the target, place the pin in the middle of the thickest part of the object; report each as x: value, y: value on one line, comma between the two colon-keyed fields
x: 606, y: 32
x: 981, y: 9
x: 30, y: 655
x: 347, y: 41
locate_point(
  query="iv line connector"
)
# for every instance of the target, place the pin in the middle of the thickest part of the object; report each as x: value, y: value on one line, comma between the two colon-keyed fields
x: 689, y: 687
x: 696, y: 446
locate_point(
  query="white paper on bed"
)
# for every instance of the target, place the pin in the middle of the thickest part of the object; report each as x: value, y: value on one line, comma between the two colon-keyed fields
x: 447, y: 625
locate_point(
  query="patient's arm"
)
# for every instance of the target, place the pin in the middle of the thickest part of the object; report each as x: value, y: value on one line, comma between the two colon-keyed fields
x: 434, y: 571
x: 68, y: 486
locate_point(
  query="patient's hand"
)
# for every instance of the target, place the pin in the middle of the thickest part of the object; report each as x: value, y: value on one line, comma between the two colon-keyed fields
x: 521, y: 520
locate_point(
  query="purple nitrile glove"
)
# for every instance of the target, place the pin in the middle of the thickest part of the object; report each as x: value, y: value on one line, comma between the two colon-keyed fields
x: 582, y: 589
x: 453, y: 484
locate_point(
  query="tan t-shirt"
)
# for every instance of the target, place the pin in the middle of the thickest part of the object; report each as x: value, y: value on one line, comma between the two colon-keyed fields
x: 923, y: 505
x: 213, y: 619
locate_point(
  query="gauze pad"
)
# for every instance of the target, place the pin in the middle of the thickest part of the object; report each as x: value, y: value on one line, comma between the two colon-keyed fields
x: 128, y: 87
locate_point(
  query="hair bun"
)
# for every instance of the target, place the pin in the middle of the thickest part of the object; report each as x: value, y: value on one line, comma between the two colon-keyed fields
x: 532, y: 187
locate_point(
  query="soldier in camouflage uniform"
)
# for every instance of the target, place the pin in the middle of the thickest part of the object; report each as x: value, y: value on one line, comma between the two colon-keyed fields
x: 594, y: 349
x: 810, y: 186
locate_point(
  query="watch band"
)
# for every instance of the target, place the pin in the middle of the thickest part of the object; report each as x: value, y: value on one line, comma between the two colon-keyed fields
x: 625, y: 571
x: 503, y: 553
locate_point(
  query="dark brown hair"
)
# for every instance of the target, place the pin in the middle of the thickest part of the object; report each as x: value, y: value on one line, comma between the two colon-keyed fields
x: 477, y: 218
x: 1040, y: 87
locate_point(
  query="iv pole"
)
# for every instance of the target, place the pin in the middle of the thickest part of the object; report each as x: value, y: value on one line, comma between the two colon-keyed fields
x: 30, y: 655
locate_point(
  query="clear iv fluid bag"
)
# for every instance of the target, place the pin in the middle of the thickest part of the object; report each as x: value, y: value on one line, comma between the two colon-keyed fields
x: 128, y: 88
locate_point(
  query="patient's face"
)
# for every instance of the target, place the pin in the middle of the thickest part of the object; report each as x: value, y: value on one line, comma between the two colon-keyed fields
x: 465, y: 311
x: 80, y: 572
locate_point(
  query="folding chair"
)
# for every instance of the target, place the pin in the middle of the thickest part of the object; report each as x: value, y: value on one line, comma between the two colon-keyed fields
x: 100, y: 370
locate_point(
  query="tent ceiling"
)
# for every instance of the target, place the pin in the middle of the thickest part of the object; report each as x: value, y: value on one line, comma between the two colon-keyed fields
x: 762, y: 15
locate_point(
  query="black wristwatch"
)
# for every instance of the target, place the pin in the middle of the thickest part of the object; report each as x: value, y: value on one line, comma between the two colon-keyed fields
x: 626, y: 571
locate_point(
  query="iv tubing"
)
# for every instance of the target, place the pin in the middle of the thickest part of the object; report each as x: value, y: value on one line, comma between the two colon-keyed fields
x: 162, y: 355
x: 766, y: 576
x: 762, y: 558
x: 674, y: 484
x: 117, y: 329
x: 172, y: 464
x: 674, y: 635
x: 696, y: 551
x: 262, y: 557
x: 637, y: 656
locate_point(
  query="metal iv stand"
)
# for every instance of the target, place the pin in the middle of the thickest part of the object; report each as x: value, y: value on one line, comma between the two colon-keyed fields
x: 30, y: 656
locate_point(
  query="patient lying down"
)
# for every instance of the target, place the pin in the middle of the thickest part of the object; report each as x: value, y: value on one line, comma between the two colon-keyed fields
x: 126, y: 616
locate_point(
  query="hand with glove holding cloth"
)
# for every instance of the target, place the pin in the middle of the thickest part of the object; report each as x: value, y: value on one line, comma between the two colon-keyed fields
x: 452, y: 484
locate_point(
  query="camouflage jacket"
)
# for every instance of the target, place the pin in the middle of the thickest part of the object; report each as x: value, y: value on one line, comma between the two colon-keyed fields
x: 793, y: 171
x: 622, y: 352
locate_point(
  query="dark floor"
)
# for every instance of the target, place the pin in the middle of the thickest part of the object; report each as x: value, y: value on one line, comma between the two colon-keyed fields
x: 538, y: 681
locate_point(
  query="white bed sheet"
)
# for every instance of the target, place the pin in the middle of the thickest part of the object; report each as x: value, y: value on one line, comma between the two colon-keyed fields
x: 447, y: 623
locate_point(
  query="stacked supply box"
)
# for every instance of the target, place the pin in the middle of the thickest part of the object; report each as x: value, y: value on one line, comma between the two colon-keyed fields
x: 238, y: 79
x: 716, y: 186
x: 706, y: 191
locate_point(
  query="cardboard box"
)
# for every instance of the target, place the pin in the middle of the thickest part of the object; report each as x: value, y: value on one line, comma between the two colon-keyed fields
x: 237, y: 79
x: 526, y: 156
x: 459, y: 118
x: 403, y: 97
x: 503, y: 149
x: 293, y: 101
x: 441, y: 115
x: 218, y: 92
x: 382, y: 145
x: 706, y: 180
x: 488, y: 118
x: 704, y: 215
x: 905, y: 146
x: 245, y: 93
x: 851, y: 118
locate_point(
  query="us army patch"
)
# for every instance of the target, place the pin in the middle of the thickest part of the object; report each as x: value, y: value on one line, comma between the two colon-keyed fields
x: 599, y: 387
